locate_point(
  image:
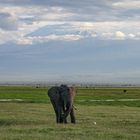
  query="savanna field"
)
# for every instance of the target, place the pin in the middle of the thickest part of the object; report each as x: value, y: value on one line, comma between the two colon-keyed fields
x: 101, y: 113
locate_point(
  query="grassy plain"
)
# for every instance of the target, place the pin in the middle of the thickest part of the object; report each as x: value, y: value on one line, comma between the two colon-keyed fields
x: 33, y: 118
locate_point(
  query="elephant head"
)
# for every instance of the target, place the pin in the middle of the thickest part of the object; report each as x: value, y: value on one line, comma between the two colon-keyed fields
x: 62, y: 100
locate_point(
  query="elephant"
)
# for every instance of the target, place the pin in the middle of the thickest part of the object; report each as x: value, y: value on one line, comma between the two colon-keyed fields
x: 62, y: 98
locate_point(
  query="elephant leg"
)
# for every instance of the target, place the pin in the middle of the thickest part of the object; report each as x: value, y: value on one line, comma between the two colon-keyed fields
x: 57, y: 110
x: 63, y: 115
x: 64, y: 119
x: 60, y: 115
x: 73, y: 120
x: 67, y: 112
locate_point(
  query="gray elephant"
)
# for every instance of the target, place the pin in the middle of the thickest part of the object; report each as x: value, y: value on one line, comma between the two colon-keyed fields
x: 62, y: 100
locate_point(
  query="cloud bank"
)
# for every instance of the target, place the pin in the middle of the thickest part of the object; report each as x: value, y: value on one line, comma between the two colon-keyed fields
x: 103, y: 19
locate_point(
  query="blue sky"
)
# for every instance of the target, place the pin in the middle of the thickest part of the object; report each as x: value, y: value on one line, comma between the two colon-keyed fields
x: 70, y: 41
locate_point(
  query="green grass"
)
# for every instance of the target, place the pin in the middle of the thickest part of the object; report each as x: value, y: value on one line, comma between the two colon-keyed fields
x: 28, y: 94
x: 34, y: 118
x: 39, y: 95
x: 35, y: 121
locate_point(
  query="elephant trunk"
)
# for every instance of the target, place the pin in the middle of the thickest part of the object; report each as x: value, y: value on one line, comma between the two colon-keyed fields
x: 69, y: 104
x: 67, y: 110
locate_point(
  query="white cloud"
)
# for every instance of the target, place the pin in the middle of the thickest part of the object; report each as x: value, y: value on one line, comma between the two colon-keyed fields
x: 24, y: 41
x: 127, y: 4
x: 120, y: 35
x: 107, y: 35
x: 71, y: 32
x: 8, y: 36
x: 41, y: 39
x: 29, y: 40
x: 131, y: 35
x: 38, y: 13
x: 110, y: 30
x: 70, y: 37
x: 26, y: 19
x: 108, y: 26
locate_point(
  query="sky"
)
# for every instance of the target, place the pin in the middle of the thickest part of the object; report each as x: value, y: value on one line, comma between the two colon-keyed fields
x: 85, y: 41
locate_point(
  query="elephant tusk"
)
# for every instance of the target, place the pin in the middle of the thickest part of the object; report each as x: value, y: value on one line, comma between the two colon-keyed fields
x: 74, y: 107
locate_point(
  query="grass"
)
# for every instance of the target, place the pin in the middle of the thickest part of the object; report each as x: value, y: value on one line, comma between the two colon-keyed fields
x: 28, y: 94
x: 34, y: 118
x: 25, y: 121
x: 84, y: 95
